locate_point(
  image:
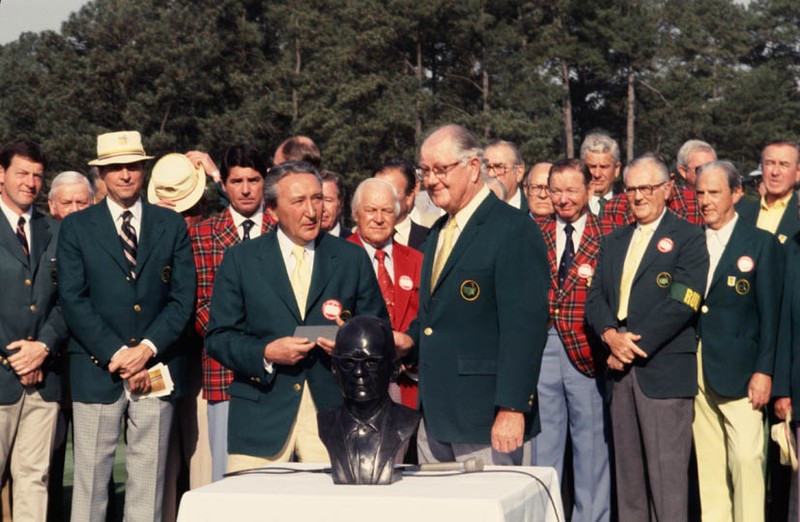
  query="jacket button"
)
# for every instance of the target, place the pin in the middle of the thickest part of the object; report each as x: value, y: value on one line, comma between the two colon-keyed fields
x: 428, y: 331
x: 296, y: 387
x: 27, y: 282
x: 133, y: 340
x: 128, y: 278
x: 137, y: 308
x: 704, y: 309
x: 29, y: 338
x: 33, y: 308
x: 556, y: 311
x: 256, y: 379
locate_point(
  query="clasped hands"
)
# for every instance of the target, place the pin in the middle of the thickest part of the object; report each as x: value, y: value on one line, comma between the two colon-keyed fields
x: 27, y: 360
x: 130, y: 364
x: 623, y: 348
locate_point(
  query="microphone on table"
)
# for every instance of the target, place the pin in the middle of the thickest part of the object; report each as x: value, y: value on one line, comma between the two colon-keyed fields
x: 470, y: 465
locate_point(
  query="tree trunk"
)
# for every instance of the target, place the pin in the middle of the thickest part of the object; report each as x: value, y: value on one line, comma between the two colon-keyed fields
x: 566, y: 109
x: 298, y: 63
x: 420, y: 78
x: 631, y: 115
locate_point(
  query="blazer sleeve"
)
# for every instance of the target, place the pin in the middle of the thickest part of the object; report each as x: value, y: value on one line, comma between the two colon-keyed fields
x: 669, y: 315
x: 227, y: 339
x: 204, y: 264
x: 784, y: 351
x: 522, y: 279
x: 598, y: 307
x: 768, y: 296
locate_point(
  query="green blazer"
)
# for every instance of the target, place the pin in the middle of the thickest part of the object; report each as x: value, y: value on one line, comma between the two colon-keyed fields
x: 480, y: 333
x: 252, y: 305
x: 106, y: 308
x: 739, y: 319
x: 789, y: 224
x: 664, y: 301
x: 786, y: 378
x: 28, y: 308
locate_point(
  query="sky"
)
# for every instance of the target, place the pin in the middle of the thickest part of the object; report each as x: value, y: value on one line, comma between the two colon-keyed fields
x: 19, y: 16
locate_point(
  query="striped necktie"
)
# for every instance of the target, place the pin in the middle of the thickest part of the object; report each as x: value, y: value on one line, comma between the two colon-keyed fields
x: 129, y: 243
x: 22, y: 237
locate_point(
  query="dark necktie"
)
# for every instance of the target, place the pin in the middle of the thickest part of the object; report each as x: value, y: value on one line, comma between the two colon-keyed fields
x: 385, y: 282
x: 21, y: 236
x: 247, y: 224
x: 567, y: 256
x: 601, y: 202
x: 128, y: 238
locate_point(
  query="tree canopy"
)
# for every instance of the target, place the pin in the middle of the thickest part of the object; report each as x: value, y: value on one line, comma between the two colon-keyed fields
x: 366, y: 78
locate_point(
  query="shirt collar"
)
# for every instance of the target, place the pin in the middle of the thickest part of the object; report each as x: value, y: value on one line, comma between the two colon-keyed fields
x: 781, y: 203
x: 516, y: 199
x: 286, y: 245
x: 12, y: 216
x: 578, y: 225
x: 238, y: 219
x: 462, y: 216
x: 724, y: 233
x: 371, y: 249
x: 117, y: 210
x: 654, y: 225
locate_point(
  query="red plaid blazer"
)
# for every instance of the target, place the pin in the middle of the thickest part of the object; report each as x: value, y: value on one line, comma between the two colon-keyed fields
x: 567, y: 304
x: 210, y: 238
x: 682, y: 202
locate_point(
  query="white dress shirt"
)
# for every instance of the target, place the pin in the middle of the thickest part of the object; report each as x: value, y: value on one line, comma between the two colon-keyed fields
x: 561, y: 236
x: 257, y: 218
x: 716, y: 241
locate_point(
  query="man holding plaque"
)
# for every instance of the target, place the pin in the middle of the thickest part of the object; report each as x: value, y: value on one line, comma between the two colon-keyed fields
x: 265, y: 288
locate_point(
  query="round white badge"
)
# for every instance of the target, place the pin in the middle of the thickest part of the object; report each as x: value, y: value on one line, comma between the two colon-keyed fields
x: 665, y: 245
x: 331, y: 309
x: 585, y: 271
x: 406, y: 283
x: 745, y: 263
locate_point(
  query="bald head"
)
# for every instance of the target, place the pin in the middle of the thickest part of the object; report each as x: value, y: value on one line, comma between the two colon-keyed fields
x: 297, y: 148
x: 450, y: 163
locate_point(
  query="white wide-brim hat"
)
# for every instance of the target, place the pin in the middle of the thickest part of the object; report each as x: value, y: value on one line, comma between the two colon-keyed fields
x: 175, y: 179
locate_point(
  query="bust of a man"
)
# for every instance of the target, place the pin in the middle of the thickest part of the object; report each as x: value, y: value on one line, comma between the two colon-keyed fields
x: 365, y: 436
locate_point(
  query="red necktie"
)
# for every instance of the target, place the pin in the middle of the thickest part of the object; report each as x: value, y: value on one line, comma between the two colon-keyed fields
x: 385, y: 282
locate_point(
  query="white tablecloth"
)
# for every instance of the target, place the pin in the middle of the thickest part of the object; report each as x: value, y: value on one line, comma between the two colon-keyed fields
x: 492, y: 495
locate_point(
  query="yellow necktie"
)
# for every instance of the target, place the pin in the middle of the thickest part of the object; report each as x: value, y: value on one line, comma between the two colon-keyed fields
x: 301, y: 278
x: 632, y: 261
x: 444, y: 252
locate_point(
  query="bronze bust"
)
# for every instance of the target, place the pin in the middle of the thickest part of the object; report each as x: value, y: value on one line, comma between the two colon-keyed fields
x: 365, y: 435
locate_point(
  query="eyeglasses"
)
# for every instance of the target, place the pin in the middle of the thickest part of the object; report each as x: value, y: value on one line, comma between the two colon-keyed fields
x: 499, y: 169
x: 646, y: 190
x: 535, y: 189
x: 440, y: 171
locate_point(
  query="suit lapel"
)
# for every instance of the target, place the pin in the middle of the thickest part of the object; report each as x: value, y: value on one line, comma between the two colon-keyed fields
x: 106, y: 234
x: 324, y: 266
x: 735, y: 245
x: 549, y: 234
x: 467, y: 236
x: 275, y: 276
x: 427, y: 262
x: 225, y: 231
x: 790, y: 221
x: 663, y: 231
x: 152, y: 230
x: 40, y: 232
x: 618, y: 251
x: 9, y: 241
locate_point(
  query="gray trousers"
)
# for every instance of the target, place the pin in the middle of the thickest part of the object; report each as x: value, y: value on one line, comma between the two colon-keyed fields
x: 96, y: 433
x: 431, y: 450
x: 652, y: 443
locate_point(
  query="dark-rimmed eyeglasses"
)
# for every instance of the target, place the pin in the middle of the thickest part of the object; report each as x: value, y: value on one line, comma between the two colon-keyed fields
x: 646, y: 190
x: 440, y: 171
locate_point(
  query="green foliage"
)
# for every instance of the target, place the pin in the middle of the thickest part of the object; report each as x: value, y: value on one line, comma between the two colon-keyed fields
x: 367, y: 78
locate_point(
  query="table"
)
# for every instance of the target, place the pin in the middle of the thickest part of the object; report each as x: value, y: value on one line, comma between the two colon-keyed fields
x: 488, y: 496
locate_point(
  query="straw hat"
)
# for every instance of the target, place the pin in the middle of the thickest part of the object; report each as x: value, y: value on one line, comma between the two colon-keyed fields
x: 783, y: 435
x: 119, y: 148
x: 175, y: 180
